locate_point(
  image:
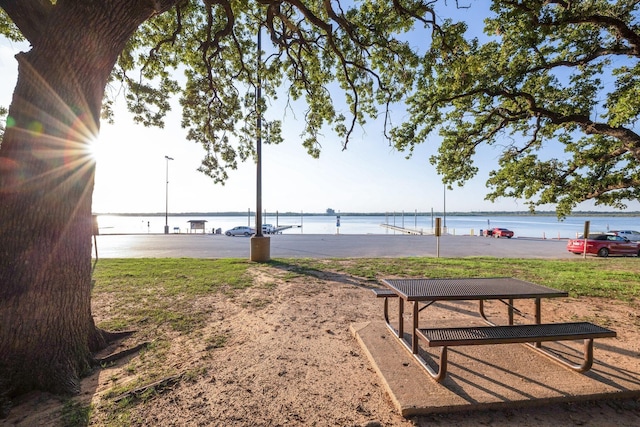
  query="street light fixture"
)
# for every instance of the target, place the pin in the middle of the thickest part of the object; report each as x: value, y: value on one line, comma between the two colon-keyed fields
x: 166, y: 198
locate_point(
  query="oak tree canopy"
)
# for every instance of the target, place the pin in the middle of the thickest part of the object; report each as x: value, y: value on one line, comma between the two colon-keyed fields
x: 546, y: 78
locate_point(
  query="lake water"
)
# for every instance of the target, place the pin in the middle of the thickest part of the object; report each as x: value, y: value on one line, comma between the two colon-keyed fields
x: 539, y: 226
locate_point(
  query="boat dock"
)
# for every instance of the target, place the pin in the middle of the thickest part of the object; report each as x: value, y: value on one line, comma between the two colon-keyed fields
x: 404, y: 230
x: 280, y: 228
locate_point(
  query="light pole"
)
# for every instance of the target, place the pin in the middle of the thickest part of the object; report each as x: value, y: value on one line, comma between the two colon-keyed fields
x: 166, y: 198
x: 259, y: 142
x: 260, y: 244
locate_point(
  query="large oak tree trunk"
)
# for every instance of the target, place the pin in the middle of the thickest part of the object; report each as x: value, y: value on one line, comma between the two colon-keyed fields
x: 45, y: 230
x: 47, y: 334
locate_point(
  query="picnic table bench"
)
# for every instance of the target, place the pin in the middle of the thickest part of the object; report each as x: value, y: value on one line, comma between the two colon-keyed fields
x: 513, y: 334
x: 428, y: 291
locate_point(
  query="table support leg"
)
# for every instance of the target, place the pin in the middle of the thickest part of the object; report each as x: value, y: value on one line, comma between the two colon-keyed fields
x: 414, y: 336
x: 386, y: 312
x: 538, y: 318
x: 401, y: 318
x: 587, y: 358
x: 510, y: 311
x: 441, y: 372
x: 482, y: 313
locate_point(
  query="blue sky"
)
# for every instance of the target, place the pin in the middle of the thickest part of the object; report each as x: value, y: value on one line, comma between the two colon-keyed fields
x: 369, y: 176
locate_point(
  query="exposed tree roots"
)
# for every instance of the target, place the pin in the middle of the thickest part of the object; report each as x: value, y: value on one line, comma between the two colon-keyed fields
x: 124, y: 353
x: 115, y: 336
x: 155, y: 388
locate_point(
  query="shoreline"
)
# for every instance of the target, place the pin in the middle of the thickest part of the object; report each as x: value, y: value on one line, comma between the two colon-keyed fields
x: 435, y: 213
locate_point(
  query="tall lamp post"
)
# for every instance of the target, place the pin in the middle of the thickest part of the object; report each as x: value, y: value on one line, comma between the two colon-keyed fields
x: 166, y: 198
x: 259, y: 142
x: 260, y: 245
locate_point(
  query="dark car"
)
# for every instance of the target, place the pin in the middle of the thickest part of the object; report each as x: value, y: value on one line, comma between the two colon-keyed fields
x: 502, y: 232
x: 604, y: 245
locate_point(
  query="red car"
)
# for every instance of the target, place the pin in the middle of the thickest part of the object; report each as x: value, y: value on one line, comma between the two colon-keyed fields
x: 502, y: 232
x: 604, y: 245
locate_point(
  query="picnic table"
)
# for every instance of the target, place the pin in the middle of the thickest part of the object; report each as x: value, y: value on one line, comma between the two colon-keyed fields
x: 507, y: 290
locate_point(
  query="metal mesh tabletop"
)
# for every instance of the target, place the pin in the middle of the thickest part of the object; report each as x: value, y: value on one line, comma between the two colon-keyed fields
x: 469, y: 288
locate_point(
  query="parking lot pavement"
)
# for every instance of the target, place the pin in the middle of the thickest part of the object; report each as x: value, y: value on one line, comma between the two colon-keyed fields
x: 325, y: 246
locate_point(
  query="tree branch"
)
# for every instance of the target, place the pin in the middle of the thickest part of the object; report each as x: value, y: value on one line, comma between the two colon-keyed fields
x: 620, y: 27
x: 29, y: 16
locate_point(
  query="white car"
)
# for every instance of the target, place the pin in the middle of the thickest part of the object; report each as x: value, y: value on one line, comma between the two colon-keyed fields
x: 268, y: 229
x: 634, y: 236
x: 240, y: 231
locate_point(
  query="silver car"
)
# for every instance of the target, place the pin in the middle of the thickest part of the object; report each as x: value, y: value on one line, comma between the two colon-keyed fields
x: 240, y: 231
x: 634, y: 236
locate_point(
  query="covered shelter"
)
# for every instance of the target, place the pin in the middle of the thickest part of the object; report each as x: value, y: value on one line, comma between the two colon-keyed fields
x: 196, y: 224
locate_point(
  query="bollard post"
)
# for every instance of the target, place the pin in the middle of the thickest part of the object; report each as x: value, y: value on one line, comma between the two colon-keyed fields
x: 438, y: 232
x: 585, y: 234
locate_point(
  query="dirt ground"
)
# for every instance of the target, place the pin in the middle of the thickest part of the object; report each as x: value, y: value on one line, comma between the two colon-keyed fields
x: 282, y: 354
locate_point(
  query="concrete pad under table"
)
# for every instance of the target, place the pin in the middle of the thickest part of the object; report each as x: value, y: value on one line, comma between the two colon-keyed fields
x: 495, y: 376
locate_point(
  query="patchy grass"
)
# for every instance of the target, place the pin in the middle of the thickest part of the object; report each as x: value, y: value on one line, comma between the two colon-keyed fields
x: 616, y: 278
x: 158, y: 299
x: 75, y: 414
x: 160, y: 291
x: 154, y: 292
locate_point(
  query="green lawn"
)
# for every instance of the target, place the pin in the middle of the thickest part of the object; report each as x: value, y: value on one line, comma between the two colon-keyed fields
x: 160, y: 290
